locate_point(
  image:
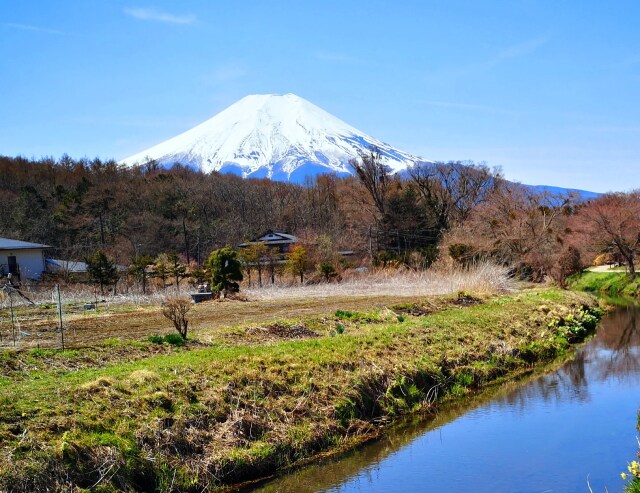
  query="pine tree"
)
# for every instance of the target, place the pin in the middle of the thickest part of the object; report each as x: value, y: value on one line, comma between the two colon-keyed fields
x: 225, y: 269
x: 139, y: 269
x: 177, y: 269
x: 101, y: 269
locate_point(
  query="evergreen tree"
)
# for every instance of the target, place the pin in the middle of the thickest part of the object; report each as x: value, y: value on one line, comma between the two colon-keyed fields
x: 225, y: 269
x: 163, y: 266
x: 101, y: 269
x: 139, y: 269
x: 177, y: 269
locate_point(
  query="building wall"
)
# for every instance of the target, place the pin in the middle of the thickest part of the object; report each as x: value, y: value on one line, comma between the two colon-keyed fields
x: 30, y: 262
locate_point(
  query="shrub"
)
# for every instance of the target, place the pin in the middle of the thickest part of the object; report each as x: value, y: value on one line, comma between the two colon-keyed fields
x: 430, y: 254
x: 385, y: 259
x: 175, y: 309
x: 604, y: 259
x: 460, y: 252
x: 569, y: 263
x: 345, y: 314
x: 174, y: 339
x: 345, y: 411
x: 156, y: 339
x: 327, y: 270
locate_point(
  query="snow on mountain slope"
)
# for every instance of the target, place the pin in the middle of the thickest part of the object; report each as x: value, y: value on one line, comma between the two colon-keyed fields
x: 283, y: 137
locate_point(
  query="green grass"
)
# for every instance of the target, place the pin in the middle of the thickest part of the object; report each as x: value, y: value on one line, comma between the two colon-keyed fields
x: 609, y: 283
x: 199, y: 416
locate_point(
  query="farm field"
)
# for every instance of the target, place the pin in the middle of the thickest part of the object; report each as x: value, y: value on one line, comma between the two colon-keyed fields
x: 137, y: 317
x: 207, y: 320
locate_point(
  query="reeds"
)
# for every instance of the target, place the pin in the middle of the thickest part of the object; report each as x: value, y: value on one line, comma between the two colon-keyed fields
x: 481, y: 278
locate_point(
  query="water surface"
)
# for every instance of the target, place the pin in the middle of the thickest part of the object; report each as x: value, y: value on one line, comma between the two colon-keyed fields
x: 560, y: 432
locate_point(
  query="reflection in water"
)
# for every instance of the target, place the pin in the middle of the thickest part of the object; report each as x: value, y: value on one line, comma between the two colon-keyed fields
x: 548, y: 435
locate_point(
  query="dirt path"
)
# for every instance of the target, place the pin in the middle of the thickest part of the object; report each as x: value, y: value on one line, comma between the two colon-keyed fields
x: 606, y: 268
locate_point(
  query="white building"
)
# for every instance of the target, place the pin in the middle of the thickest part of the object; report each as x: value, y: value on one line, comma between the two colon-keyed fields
x: 21, y: 259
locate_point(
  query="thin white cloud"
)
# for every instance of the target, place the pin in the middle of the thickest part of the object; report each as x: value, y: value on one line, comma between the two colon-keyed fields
x: 509, y: 53
x: 159, y: 16
x: 28, y: 27
x: 518, y: 50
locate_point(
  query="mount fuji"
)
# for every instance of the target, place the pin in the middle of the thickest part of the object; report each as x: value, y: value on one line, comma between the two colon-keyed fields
x: 282, y: 137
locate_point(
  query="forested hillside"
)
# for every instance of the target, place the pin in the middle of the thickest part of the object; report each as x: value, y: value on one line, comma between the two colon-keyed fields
x: 80, y: 206
x: 458, y: 212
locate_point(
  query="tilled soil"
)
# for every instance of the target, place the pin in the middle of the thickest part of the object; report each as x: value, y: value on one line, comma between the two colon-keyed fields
x: 93, y: 327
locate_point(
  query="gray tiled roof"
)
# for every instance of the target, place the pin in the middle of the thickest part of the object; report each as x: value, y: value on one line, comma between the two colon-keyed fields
x: 9, y: 244
x: 67, y: 265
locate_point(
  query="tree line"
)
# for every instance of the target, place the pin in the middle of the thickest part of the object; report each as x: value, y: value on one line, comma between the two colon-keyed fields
x: 458, y: 212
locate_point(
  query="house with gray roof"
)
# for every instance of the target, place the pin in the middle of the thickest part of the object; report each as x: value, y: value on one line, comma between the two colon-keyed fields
x: 22, y: 260
x: 279, y: 241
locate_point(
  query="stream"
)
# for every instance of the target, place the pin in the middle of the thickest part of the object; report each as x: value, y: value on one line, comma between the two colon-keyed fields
x: 564, y: 431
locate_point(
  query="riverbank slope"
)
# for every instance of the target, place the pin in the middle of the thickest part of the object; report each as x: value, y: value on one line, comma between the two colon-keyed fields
x: 606, y: 283
x: 241, y: 403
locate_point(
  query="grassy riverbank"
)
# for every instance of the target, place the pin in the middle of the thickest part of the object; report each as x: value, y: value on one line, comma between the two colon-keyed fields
x: 608, y: 283
x: 242, y: 402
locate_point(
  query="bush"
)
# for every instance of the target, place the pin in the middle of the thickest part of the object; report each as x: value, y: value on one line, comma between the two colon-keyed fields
x: 175, y: 309
x: 460, y: 252
x: 327, y: 270
x: 604, y: 259
x: 156, y: 339
x: 345, y: 314
x: 174, y: 339
x: 569, y: 263
x: 430, y: 254
x: 385, y: 259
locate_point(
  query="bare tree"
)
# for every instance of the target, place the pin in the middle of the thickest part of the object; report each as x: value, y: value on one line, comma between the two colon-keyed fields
x: 375, y: 177
x: 176, y: 309
x: 450, y: 191
x: 612, y: 222
x: 517, y: 227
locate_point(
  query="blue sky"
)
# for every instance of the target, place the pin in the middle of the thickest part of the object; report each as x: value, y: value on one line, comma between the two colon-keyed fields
x: 548, y: 90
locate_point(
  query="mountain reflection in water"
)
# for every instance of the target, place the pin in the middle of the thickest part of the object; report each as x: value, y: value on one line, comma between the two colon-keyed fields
x: 551, y: 434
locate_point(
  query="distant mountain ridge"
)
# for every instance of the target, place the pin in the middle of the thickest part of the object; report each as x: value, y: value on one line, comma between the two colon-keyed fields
x: 281, y: 137
x: 583, y: 194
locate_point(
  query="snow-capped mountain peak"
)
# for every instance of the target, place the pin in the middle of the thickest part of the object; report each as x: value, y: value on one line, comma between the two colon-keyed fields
x: 282, y: 137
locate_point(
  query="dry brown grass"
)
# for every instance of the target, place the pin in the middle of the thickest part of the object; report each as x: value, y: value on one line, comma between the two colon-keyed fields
x: 483, y: 278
